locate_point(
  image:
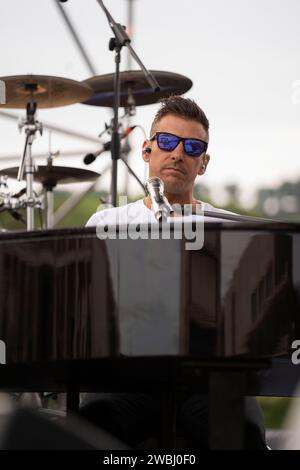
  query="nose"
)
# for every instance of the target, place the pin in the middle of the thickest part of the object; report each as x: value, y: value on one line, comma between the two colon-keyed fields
x: 178, y: 153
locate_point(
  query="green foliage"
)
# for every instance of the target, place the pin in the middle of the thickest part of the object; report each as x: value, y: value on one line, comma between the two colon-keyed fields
x: 274, y: 410
x: 81, y: 213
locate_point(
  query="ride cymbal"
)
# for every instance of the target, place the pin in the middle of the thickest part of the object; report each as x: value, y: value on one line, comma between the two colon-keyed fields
x: 134, y: 83
x: 46, y: 91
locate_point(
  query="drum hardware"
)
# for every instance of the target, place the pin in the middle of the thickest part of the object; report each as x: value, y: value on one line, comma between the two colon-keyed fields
x: 130, y: 109
x: 49, y: 176
x: 31, y: 91
x: 91, y: 157
x: 124, y: 150
x: 13, y: 203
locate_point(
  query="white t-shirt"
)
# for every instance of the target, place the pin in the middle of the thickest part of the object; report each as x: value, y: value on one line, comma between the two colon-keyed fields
x: 138, y: 212
x: 145, y: 310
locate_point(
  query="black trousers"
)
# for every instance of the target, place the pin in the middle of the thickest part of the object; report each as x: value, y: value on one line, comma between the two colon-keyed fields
x: 132, y: 418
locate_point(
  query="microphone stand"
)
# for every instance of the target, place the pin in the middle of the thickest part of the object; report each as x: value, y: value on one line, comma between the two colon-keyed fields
x: 116, y: 43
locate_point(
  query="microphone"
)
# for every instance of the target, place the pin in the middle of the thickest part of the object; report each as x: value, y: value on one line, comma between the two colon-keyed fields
x: 91, y: 157
x: 160, y: 204
x: 19, y: 194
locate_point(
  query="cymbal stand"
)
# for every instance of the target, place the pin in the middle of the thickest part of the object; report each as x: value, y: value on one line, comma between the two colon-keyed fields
x: 116, y: 43
x: 48, y: 187
x: 31, y: 126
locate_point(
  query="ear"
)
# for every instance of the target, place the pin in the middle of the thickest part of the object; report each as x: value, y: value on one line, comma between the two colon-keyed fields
x: 203, y: 165
x: 146, y: 156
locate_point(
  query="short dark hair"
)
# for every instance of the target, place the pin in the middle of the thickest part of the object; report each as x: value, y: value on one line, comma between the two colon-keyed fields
x: 182, y: 107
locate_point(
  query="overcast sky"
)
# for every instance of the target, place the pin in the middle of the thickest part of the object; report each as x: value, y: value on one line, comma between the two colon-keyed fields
x: 243, y: 57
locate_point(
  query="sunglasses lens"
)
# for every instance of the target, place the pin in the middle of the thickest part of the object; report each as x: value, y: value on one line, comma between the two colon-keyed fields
x: 194, y: 147
x: 167, y: 141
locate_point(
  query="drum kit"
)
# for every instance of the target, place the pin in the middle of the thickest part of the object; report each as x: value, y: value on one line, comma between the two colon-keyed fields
x: 120, y: 89
x: 32, y: 92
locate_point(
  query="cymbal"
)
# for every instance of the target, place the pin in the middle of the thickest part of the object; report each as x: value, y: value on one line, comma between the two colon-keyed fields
x: 47, y: 91
x: 50, y: 175
x: 134, y: 81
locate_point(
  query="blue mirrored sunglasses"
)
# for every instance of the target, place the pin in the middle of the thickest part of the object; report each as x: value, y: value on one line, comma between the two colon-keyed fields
x: 168, y: 142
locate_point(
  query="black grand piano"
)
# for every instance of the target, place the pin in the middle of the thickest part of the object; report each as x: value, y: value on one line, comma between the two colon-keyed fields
x: 79, y: 313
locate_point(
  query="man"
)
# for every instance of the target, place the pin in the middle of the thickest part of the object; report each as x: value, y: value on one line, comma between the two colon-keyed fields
x: 176, y: 153
x: 178, y: 118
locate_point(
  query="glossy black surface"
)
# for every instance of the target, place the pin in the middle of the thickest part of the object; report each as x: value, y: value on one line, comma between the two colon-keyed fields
x: 56, y: 300
x: 63, y: 292
x: 244, y: 296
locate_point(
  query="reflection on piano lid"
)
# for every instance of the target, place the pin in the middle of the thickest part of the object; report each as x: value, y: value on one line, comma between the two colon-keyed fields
x: 68, y: 295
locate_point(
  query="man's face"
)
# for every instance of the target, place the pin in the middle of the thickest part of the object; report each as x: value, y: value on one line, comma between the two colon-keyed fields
x: 177, y: 169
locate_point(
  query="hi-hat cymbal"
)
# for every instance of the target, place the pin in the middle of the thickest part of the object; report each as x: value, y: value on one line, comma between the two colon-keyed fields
x: 46, y: 91
x: 134, y: 82
x: 50, y: 175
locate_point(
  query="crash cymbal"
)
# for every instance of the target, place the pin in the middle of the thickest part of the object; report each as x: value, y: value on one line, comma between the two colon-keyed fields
x: 47, y: 91
x: 50, y: 175
x: 135, y: 82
